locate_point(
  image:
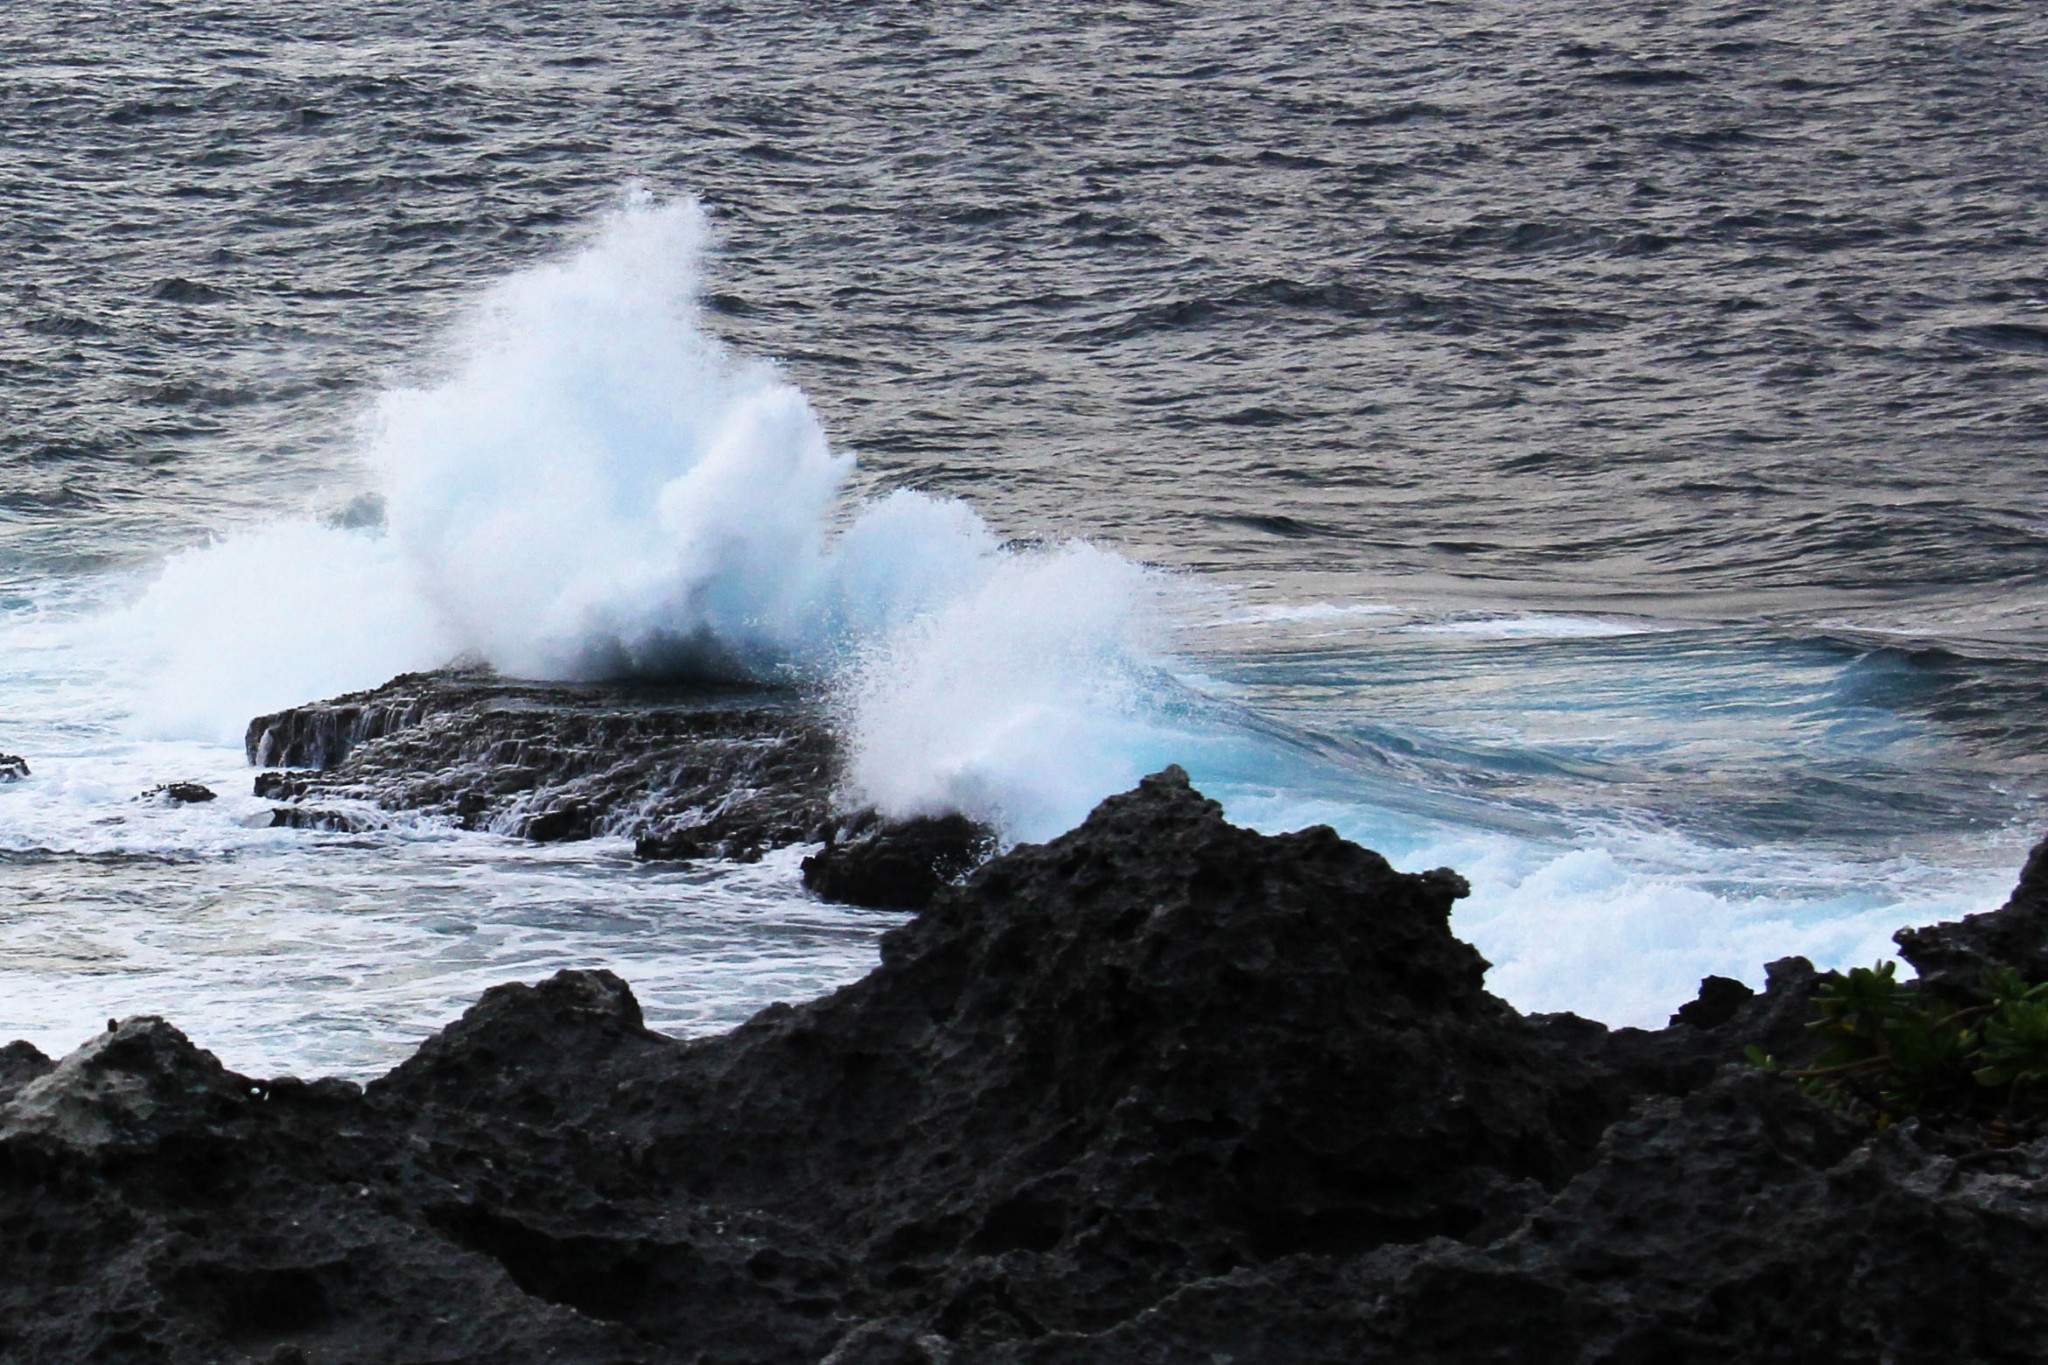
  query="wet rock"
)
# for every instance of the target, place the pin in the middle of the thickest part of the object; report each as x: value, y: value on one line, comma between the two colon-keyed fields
x: 179, y: 793
x: 721, y: 770
x: 896, y: 864
x: 12, y: 768
x: 677, y: 846
x: 330, y: 819
x: 562, y: 823
x: 1159, y: 1090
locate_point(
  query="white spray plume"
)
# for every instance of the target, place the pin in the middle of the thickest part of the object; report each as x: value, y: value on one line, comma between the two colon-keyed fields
x: 1022, y: 700
x: 261, y: 620
x: 602, y: 488
x: 599, y: 487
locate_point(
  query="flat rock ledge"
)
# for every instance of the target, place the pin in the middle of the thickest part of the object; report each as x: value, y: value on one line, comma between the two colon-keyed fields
x: 686, y: 771
x: 1160, y: 1090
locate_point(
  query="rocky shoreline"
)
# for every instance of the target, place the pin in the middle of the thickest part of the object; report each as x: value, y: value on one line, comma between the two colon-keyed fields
x: 1160, y: 1090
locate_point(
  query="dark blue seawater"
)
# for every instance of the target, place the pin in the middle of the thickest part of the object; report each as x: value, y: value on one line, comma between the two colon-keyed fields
x: 1597, y: 445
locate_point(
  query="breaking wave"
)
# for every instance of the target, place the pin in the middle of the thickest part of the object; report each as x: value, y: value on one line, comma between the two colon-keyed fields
x: 598, y: 487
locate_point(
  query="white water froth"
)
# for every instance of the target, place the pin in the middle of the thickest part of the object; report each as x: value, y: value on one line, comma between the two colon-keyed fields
x: 1024, y: 700
x: 1620, y: 924
x: 339, y: 956
x: 1623, y: 932
x: 1311, y: 612
x: 267, y: 618
x: 601, y: 488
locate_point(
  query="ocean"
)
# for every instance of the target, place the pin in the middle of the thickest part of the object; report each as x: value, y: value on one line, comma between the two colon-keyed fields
x: 1597, y: 447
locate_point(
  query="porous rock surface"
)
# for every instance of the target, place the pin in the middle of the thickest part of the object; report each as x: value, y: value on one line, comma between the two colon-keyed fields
x: 179, y: 794
x: 1161, y: 1090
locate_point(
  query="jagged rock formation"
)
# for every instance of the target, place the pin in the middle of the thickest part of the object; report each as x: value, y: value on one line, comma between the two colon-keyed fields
x: 12, y: 768
x: 1161, y: 1090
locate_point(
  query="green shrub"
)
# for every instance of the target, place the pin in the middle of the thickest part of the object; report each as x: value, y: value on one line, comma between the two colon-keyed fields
x: 1896, y: 1048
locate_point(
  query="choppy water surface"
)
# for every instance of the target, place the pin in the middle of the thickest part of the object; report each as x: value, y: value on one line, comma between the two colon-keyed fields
x: 1600, y: 447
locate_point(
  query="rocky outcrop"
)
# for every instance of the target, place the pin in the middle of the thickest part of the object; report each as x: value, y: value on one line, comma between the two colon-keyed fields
x: 701, y: 770
x: 1161, y: 1090
x: 895, y: 864
x: 130, y: 1089
x: 12, y: 768
x: 1955, y: 956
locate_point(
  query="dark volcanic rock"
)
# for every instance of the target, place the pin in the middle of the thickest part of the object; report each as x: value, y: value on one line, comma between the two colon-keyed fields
x: 1955, y: 956
x: 169, y: 1210
x: 1720, y: 999
x: 20, y: 1063
x: 12, y: 769
x: 729, y: 770
x: 1152, y: 1049
x: 334, y: 820
x: 1738, y: 1223
x: 138, y: 1085
x: 1161, y: 1090
x: 896, y: 864
x: 179, y: 793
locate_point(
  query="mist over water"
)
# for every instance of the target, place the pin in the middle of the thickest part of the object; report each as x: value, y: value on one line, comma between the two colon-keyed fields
x: 1587, y: 448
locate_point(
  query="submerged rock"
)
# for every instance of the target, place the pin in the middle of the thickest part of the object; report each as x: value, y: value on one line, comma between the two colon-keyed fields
x: 1161, y: 1090
x: 333, y: 820
x: 179, y: 794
